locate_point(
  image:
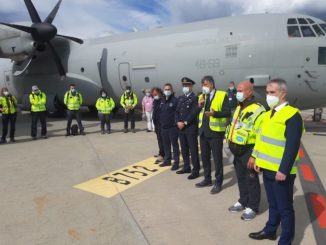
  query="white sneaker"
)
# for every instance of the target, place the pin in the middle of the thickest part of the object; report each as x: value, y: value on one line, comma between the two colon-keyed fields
x: 237, y: 207
x: 248, y: 214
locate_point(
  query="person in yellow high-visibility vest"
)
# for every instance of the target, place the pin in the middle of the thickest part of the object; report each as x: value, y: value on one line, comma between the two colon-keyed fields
x: 37, y: 100
x: 241, y: 136
x: 8, y: 105
x: 214, y: 111
x: 129, y: 101
x: 73, y: 100
x: 276, y: 154
x: 104, y: 106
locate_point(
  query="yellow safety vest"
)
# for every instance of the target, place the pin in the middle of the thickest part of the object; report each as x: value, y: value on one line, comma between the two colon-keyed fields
x: 128, y: 101
x: 38, y: 102
x: 270, y: 143
x: 105, y: 106
x: 9, y: 105
x: 242, y: 130
x: 215, y: 124
x: 73, y: 102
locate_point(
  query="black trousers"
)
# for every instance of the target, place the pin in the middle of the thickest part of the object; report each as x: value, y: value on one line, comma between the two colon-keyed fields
x: 159, y: 140
x: 170, y: 137
x: 71, y: 115
x: 38, y: 116
x: 105, y: 120
x: 6, y: 119
x: 248, y: 182
x: 213, y: 146
x: 189, y: 146
x: 129, y: 116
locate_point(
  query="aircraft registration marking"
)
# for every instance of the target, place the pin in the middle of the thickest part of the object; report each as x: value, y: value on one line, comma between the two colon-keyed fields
x: 117, y: 181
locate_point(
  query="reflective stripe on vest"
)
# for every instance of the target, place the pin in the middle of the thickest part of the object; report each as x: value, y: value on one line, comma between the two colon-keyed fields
x: 215, y: 124
x: 270, y: 144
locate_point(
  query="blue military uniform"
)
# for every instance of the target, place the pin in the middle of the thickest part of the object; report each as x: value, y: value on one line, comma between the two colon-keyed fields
x: 187, y: 112
x: 169, y: 130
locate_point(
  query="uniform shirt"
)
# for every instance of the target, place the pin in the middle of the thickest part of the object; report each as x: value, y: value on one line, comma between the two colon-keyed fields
x: 167, y: 110
x: 148, y: 103
x: 187, y: 109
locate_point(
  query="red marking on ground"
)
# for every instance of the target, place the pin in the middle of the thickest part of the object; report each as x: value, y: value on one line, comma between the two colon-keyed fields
x: 319, y: 205
x: 307, y: 173
x: 301, y: 153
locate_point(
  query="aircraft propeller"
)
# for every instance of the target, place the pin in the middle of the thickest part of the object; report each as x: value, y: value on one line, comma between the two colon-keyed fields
x: 43, y: 32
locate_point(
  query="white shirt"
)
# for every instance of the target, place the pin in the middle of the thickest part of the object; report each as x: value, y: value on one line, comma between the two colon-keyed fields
x: 281, y: 106
x: 212, y: 93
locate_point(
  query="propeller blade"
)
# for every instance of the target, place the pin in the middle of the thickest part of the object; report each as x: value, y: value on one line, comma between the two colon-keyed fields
x: 32, y: 12
x: 19, y: 27
x: 75, y: 39
x: 57, y: 60
x: 53, y: 13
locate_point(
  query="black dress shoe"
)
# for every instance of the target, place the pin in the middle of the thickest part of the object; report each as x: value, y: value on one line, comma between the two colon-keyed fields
x: 216, y: 189
x: 204, y: 183
x: 165, y: 164
x: 157, y: 161
x: 184, y: 171
x: 175, y: 167
x: 261, y: 235
x: 193, y: 176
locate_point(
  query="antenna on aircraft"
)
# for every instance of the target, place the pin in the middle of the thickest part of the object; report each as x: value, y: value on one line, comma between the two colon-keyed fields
x: 43, y: 32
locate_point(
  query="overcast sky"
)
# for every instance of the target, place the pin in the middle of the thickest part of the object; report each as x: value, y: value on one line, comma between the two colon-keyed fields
x: 93, y: 18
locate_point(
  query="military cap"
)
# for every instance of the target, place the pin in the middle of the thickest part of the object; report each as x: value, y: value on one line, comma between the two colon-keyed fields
x: 187, y: 80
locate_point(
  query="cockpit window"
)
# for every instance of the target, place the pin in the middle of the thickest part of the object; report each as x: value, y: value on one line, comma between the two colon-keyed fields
x: 322, y: 56
x: 302, y: 21
x: 323, y: 26
x: 310, y: 21
x: 292, y: 21
x: 293, y: 31
x: 307, y: 32
x: 318, y: 30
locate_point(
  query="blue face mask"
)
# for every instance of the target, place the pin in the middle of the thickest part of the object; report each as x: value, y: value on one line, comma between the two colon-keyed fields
x: 240, y: 96
x: 167, y: 93
x: 185, y: 90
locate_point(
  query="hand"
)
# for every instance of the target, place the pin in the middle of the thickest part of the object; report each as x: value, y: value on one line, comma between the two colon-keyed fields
x: 251, y: 163
x: 181, y: 125
x: 209, y: 113
x: 201, y: 103
x: 256, y: 168
x: 280, y: 176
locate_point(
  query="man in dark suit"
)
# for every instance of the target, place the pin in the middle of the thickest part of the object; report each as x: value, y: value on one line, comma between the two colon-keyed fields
x: 276, y: 154
x: 187, y: 123
x: 213, y: 116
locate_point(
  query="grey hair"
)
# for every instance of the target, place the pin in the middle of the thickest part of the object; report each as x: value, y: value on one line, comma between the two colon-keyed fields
x: 281, y: 84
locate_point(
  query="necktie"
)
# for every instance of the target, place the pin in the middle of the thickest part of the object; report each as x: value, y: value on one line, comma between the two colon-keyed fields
x: 273, y: 112
x: 208, y: 102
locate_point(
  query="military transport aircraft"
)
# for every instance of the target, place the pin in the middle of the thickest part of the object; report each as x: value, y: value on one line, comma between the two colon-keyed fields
x: 256, y: 47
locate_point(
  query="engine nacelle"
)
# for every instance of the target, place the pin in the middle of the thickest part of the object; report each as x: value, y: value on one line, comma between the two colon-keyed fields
x: 16, y: 48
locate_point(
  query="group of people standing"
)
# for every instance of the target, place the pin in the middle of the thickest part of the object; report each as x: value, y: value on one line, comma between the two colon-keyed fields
x: 260, y: 140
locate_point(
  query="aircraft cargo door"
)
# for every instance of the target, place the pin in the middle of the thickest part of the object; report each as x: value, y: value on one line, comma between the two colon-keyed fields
x: 124, y: 75
x: 8, y: 82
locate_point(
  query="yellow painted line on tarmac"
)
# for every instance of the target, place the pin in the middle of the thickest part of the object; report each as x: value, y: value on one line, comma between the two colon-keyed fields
x: 122, y: 179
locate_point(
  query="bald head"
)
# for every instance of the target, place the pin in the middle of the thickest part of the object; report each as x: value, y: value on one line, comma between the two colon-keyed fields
x: 246, y: 88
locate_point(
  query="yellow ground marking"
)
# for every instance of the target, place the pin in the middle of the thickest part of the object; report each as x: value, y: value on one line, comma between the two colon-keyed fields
x: 122, y: 179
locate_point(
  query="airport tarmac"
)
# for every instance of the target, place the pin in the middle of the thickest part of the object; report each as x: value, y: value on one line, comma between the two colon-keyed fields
x: 58, y: 191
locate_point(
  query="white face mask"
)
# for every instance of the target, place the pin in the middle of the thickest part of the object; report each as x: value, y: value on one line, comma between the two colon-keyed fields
x: 231, y: 88
x: 240, y: 96
x: 103, y: 95
x: 272, y: 101
x: 73, y: 90
x: 167, y: 93
x: 206, y: 90
x: 5, y: 93
x: 156, y: 97
x: 148, y: 94
x: 185, y: 90
x: 128, y: 91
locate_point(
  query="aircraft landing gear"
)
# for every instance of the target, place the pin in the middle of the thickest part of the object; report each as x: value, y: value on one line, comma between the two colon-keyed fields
x: 318, y: 112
